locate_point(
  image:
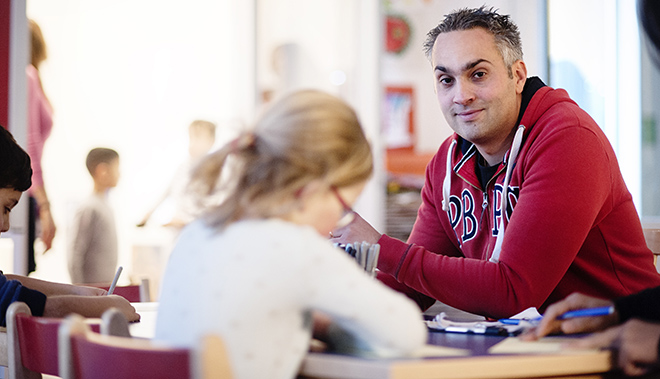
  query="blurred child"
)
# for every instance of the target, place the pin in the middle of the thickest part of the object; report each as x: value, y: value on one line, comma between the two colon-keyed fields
x: 93, y: 247
x: 201, y: 137
x: 256, y: 268
x: 44, y: 298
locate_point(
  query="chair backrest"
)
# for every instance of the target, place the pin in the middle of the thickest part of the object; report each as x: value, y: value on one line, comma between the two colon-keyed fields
x: 133, y: 292
x: 87, y: 355
x: 32, y: 342
x: 652, y: 237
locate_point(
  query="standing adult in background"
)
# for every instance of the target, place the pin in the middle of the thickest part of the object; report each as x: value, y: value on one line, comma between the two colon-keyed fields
x: 201, y: 137
x: 525, y: 203
x: 40, y: 124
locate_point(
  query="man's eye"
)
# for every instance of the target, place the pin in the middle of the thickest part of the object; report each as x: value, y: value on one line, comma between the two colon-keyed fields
x: 446, y: 81
x: 479, y: 74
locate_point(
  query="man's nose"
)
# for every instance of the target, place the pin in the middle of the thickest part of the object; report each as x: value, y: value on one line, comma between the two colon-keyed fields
x: 463, y: 92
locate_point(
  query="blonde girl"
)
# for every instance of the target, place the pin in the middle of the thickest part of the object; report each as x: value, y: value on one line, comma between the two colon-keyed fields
x: 255, y: 268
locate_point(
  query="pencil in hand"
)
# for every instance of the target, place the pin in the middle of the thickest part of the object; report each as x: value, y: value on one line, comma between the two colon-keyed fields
x: 114, y: 281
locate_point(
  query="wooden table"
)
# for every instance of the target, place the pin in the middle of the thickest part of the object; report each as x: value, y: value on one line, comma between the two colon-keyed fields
x: 479, y: 364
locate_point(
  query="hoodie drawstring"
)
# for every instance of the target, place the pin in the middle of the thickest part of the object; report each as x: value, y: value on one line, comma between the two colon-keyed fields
x: 446, y: 184
x: 513, y: 155
x: 515, y: 148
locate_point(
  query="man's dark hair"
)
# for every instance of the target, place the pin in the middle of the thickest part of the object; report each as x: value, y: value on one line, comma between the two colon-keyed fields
x: 505, y: 31
x: 648, y: 12
x: 99, y: 155
x: 15, y: 168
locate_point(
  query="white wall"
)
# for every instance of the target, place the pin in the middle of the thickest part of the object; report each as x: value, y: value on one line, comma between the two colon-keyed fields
x: 131, y: 75
x: 337, y: 38
x: 597, y: 61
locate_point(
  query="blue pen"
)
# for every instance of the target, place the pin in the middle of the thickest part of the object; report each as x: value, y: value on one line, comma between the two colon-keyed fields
x: 517, y: 321
x: 588, y: 312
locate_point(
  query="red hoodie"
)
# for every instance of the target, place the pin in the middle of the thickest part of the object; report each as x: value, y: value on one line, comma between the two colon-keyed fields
x: 570, y: 224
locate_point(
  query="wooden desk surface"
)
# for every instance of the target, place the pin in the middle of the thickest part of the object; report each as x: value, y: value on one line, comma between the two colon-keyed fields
x: 479, y: 364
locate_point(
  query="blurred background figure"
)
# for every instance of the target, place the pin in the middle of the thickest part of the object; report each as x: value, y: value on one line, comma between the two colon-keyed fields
x: 40, y: 124
x: 93, y: 245
x: 201, y: 138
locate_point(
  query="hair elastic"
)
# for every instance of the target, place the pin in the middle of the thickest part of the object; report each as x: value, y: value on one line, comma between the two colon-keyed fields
x: 241, y: 142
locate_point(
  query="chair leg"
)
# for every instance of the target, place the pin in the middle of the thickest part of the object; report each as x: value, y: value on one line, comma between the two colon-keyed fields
x: 145, y: 294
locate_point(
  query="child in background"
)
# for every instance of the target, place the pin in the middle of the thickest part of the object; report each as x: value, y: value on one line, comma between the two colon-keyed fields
x: 201, y: 137
x: 44, y: 298
x: 256, y: 268
x: 93, y: 247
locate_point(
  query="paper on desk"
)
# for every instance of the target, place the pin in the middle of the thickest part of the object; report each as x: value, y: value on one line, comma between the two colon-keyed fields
x: 442, y: 321
x: 514, y: 345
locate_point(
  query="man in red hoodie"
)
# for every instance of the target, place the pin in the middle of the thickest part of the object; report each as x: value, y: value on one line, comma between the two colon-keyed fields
x: 525, y: 203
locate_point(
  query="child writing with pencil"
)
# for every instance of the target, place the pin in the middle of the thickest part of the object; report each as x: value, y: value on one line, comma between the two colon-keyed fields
x: 42, y: 297
x: 258, y: 267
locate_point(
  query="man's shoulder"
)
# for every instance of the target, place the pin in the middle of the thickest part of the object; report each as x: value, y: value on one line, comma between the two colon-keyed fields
x: 552, y: 109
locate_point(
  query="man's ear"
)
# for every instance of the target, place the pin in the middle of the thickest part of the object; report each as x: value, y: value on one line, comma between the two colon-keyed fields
x: 519, y: 72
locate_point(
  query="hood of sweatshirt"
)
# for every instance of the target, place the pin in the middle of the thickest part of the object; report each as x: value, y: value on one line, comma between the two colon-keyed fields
x: 542, y: 98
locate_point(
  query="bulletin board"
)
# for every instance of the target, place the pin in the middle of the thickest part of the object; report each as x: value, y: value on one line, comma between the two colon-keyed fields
x: 399, y: 118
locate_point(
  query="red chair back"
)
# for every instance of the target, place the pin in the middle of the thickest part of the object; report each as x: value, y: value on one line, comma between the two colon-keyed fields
x: 94, y: 358
x: 130, y: 292
x: 133, y: 292
x: 38, y: 342
x: 34, y: 342
x: 87, y: 355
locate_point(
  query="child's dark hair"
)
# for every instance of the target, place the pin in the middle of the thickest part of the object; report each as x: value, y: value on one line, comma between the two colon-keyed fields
x: 15, y: 168
x: 99, y: 155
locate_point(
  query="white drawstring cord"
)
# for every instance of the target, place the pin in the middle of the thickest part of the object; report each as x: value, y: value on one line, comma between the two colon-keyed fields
x: 515, y: 148
x: 446, y: 184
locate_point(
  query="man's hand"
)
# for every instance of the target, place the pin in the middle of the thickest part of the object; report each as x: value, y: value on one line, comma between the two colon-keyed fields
x: 636, y: 344
x: 358, y: 230
x: 550, y: 324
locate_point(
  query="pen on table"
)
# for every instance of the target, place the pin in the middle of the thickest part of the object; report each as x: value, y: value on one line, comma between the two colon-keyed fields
x: 114, y: 281
x: 517, y: 321
x: 587, y: 312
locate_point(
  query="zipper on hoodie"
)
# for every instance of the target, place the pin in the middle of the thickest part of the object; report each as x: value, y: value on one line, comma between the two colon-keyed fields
x: 484, y: 207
